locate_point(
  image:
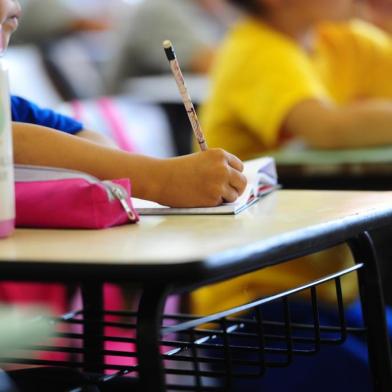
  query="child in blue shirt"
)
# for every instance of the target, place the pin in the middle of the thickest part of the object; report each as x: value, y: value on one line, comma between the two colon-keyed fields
x: 25, y: 111
x: 201, y: 179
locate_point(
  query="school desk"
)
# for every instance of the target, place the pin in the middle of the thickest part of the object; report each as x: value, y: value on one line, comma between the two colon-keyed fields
x: 346, y: 169
x: 176, y: 254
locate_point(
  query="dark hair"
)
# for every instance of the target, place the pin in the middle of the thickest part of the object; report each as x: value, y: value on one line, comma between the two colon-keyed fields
x: 250, y: 6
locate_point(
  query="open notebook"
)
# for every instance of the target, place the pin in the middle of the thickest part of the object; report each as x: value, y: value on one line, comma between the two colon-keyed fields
x: 262, y: 179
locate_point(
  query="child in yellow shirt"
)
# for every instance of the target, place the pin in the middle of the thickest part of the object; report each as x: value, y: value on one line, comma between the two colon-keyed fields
x: 287, y: 71
x: 290, y: 72
x: 297, y: 69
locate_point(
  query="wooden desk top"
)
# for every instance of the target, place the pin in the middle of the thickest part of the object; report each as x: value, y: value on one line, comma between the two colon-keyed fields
x: 282, y: 225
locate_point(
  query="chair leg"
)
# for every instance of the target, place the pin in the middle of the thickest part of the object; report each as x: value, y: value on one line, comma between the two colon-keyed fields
x: 373, y: 308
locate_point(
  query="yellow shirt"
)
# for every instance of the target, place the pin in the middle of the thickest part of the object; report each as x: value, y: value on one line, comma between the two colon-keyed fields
x: 259, y: 76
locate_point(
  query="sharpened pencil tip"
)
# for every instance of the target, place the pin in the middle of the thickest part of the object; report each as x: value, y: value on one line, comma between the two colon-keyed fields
x: 167, y: 44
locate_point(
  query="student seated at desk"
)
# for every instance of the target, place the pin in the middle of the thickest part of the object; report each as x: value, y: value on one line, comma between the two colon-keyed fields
x: 203, y: 179
x: 44, y: 137
x: 297, y: 69
x: 305, y: 70
x: 288, y: 71
x: 63, y: 19
x: 195, y: 26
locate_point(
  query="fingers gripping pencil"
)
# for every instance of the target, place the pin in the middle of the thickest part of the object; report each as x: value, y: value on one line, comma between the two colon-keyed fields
x: 179, y: 78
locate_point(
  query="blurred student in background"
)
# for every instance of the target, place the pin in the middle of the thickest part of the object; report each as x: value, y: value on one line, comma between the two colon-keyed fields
x: 42, y: 136
x: 133, y: 34
x: 195, y: 27
x: 284, y: 73
x: 298, y: 69
x: 61, y: 18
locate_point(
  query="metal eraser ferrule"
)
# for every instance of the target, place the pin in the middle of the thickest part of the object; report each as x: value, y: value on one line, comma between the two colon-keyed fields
x: 170, y: 53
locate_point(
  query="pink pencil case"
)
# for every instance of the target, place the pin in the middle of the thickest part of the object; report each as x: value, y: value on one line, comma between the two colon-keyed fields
x: 59, y: 198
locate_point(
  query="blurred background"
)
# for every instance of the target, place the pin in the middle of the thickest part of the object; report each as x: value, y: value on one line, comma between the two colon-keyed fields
x: 102, y: 62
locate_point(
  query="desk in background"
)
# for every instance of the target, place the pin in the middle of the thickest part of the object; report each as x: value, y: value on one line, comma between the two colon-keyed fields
x: 176, y: 254
x: 348, y: 169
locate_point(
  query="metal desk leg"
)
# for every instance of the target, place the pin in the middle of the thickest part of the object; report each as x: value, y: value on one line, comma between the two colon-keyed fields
x: 93, y: 329
x: 373, y: 309
x: 151, y: 372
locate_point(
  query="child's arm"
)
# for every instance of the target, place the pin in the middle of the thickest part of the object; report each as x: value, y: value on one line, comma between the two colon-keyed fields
x: 96, y: 138
x: 361, y: 124
x: 202, y: 179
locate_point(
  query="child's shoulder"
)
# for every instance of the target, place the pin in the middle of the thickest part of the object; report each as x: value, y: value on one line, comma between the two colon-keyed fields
x: 253, y: 50
x: 256, y: 40
x: 19, y: 104
x: 355, y: 31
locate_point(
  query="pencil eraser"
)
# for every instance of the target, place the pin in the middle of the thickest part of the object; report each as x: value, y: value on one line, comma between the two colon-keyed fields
x: 167, y: 44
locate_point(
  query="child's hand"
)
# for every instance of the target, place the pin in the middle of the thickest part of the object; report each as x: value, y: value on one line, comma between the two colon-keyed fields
x: 203, y: 179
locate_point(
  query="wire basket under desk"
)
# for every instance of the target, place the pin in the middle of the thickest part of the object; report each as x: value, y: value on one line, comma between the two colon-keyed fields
x: 202, y: 353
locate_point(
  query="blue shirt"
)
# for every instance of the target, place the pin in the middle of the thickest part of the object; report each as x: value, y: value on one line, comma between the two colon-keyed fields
x: 28, y: 112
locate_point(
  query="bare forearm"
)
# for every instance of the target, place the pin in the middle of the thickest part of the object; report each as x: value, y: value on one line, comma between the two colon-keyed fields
x: 367, y: 123
x: 361, y: 124
x: 97, y: 138
x: 196, y: 180
x: 42, y: 146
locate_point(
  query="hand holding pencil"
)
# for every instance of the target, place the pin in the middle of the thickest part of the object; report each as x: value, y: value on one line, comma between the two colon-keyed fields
x: 206, y: 179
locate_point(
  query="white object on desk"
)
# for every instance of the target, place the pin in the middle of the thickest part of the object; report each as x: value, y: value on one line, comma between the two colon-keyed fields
x: 7, y: 204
